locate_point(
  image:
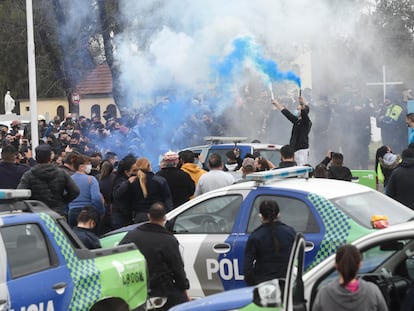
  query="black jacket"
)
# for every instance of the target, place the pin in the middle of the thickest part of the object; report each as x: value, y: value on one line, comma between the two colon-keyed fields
x: 10, y: 174
x: 299, y: 138
x: 51, y: 185
x: 88, y: 237
x: 158, y: 191
x: 401, y: 183
x: 284, y: 164
x: 180, y: 183
x: 123, y: 196
x: 338, y: 172
x: 161, y: 250
x: 262, y: 261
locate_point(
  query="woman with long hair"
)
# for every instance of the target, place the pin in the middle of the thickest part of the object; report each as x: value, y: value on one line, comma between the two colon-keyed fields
x: 90, y: 193
x: 151, y: 189
x: 348, y: 292
x: 268, y: 248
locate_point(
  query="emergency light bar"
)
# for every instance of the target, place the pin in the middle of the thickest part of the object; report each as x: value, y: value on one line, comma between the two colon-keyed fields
x: 7, y: 194
x: 218, y: 139
x: 280, y: 173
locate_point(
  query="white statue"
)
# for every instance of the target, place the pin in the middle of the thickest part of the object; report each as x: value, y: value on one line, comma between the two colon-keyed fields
x: 8, y: 103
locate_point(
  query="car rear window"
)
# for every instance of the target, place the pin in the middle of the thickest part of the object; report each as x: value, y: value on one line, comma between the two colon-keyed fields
x: 272, y: 155
x: 362, y: 206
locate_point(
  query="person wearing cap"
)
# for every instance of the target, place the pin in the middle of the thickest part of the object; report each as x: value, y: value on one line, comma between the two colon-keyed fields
x: 388, y: 162
x: 10, y: 171
x: 248, y: 167
x: 401, y: 183
x: 181, y: 185
x: 41, y: 126
x: 14, y: 128
x: 48, y: 183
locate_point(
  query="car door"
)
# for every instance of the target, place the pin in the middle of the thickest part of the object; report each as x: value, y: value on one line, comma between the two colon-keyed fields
x: 295, y: 210
x: 35, y: 280
x: 269, y: 295
x: 205, y: 233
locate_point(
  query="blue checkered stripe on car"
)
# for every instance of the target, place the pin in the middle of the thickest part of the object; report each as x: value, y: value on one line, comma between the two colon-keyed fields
x: 85, y: 275
x: 337, y: 227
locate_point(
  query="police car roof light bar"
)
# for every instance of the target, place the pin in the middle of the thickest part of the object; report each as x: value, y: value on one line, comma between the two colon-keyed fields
x: 221, y: 139
x: 280, y: 173
x: 18, y: 200
x: 7, y: 194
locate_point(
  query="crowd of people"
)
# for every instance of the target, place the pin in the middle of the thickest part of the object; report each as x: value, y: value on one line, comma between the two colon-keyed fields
x: 99, y: 190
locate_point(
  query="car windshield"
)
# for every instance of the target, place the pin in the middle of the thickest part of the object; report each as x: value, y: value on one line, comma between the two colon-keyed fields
x: 362, y: 206
x: 271, y: 155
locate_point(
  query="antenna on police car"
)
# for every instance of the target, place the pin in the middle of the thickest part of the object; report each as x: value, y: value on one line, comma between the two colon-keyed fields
x: 222, y: 139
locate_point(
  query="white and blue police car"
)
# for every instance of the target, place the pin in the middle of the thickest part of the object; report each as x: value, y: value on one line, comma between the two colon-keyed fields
x: 213, y: 228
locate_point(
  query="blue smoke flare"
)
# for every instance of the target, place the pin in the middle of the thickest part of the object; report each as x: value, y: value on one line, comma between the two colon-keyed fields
x: 245, y: 49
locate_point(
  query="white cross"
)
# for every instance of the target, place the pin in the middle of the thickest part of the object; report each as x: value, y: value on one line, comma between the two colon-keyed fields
x: 384, y: 82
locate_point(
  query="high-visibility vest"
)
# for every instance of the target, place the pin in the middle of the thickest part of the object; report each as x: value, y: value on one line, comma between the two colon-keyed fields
x: 393, y: 112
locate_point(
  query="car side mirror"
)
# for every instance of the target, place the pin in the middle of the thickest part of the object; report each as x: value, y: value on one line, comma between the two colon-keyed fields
x: 269, y: 293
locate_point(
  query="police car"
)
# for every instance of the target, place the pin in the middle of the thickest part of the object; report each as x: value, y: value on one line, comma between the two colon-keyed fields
x: 214, y: 227
x: 388, y: 261
x: 45, y: 267
x: 222, y: 144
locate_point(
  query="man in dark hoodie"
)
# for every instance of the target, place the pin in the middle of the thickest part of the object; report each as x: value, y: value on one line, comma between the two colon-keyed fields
x: 336, y: 169
x: 49, y: 183
x: 401, y: 182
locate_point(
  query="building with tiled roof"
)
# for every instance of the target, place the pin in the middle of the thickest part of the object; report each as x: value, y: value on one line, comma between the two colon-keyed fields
x: 97, y: 82
x: 94, y: 94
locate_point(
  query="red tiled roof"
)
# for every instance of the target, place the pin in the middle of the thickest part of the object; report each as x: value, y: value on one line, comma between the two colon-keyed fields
x: 98, y: 81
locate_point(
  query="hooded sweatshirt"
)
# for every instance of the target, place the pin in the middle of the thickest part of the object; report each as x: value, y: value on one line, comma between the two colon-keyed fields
x: 193, y: 170
x: 333, y: 296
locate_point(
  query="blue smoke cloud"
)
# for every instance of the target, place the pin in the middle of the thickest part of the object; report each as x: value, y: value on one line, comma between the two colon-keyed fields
x: 181, y: 119
x: 245, y: 49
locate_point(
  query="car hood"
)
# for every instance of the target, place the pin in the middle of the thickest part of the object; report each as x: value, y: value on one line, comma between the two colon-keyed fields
x: 234, y: 299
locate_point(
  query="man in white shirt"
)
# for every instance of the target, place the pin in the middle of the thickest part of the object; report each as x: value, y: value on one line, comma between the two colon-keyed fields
x: 215, y: 178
